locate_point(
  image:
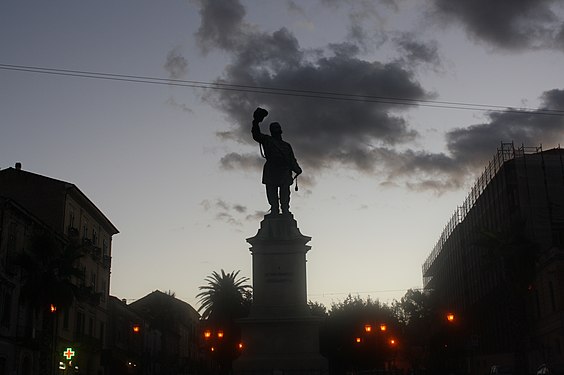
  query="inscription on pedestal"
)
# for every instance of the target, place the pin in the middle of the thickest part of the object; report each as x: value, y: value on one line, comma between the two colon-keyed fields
x: 278, y: 277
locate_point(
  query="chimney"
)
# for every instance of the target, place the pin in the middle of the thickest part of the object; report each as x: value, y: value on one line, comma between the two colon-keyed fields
x: 18, y: 166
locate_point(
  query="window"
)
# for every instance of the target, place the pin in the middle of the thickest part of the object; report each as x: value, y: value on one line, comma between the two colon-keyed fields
x: 5, y: 307
x: 93, y: 281
x: 90, y: 326
x: 79, y: 323
x: 94, y: 237
x: 102, y: 332
x: 12, y: 242
x: 537, y: 303
x: 71, y: 217
x: 552, y: 299
x: 103, y: 291
x: 66, y: 319
x: 105, y: 247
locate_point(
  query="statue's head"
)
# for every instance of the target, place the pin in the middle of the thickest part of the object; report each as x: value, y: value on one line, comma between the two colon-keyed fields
x: 275, y: 129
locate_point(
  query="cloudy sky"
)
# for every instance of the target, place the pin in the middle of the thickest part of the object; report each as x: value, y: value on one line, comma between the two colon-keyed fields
x: 393, y: 108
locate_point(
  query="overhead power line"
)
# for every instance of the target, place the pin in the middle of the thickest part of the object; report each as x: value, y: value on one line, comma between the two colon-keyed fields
x: 283, y: 91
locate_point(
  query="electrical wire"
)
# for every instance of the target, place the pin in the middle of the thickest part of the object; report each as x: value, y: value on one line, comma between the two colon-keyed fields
x: 283, y: 91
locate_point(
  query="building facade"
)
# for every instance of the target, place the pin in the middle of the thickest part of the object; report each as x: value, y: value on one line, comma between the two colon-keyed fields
x: 498, y: 264
x: 34, y: 336
x: 176, y: 326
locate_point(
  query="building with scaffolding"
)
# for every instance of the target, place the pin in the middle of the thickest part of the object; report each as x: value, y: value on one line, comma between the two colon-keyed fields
x: 499, y: 263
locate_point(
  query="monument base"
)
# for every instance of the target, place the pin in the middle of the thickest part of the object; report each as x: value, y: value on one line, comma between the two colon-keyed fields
x: 280, y: 336
x: 280, y: 346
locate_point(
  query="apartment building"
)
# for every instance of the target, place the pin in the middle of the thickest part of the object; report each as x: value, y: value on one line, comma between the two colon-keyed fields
x: 34, y: 336
x: 499, y: 263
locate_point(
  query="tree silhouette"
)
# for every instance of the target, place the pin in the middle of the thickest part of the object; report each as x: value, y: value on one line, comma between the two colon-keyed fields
x: 49, y: 267
x: 347, y: 322
x: 49, y: 274
x: 225, y: 297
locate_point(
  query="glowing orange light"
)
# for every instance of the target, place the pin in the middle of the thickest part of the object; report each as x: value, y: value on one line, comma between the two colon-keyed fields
x: 136, y: 328
x: 358, y: 339
x: 383, y: 327
x: 393, y: 341
x: 212, y: 349
x: 240, y: 345
x: 450, y: 317
x: 53, y: 308
x: 207, y: 334
x: 368, y: 328
x: 220, y: 334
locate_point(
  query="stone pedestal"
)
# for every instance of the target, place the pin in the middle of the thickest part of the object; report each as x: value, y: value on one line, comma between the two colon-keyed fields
x: 280, y: 336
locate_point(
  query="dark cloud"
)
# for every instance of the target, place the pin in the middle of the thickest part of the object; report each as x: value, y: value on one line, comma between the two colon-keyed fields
x: 322, y: 131
x: 181, y: 106
x: 553, y: 100
x: 226, y: 212
x: 295, y: 8
x: 240, y: 208
x: 507, y: 24
x: 366, y: 20
x: 235, y: 160
x: 221, y: 24
x: 176, y: 65
x: 371, y: 138
x: 472, y: 146
x: 228, y: 218
x: 257, y: 215
x: 415, y: 51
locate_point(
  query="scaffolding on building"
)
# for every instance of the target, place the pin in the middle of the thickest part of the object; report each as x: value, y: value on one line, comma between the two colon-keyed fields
x: 507, y: 151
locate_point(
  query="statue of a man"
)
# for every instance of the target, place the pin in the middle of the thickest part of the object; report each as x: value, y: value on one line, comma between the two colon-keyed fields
x: 280, y: 163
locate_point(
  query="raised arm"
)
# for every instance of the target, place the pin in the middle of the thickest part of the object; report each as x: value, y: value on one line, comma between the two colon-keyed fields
x: 258, y: 116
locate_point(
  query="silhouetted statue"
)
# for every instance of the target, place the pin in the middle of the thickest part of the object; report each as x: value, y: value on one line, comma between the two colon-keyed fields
x: 280, y: 162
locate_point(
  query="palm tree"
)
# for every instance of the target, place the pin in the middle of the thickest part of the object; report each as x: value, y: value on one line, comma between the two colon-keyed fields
x: 225, y: 298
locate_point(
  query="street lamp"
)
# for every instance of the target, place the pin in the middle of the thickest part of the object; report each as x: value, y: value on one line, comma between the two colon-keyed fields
x: 450, y: 317
x: 207, y: 334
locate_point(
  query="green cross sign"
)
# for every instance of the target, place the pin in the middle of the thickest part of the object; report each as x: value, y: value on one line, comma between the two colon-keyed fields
x: 68, y: 353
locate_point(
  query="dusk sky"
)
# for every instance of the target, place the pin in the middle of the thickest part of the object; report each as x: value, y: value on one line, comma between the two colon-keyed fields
x: 175, y: 169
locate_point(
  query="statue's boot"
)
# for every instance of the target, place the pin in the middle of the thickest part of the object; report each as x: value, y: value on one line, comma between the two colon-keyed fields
x: 273, y: 211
